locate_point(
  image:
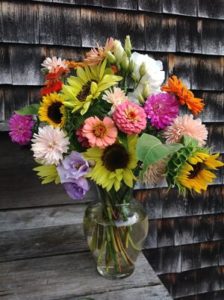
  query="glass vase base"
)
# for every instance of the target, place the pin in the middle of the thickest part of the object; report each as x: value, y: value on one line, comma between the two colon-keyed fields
x: 103, y: 271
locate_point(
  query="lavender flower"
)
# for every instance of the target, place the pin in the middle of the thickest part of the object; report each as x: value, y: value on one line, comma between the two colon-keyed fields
x: 77, y: 189
x: 20, y: 129
x: 72, y: 167
x: 71, y: 172
x: 161, y: 109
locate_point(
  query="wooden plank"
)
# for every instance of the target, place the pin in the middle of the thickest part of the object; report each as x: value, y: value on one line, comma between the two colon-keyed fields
x: 14, y: 99
x: 216, y: 137
x: 211, y: 9
x: 207, y: 73
x: 97, y: 26
x: 20, y: 23
x: 150, y: 5
x: 1, y: 30
x: 219, y: 295
x: 189, y: 35
x: 40, y: 242
x: 26, y: 70
x: 64, y: 276
x: 180, y: 7
x: 154, y: 292
x: 180, y: 66
x: 160, y: 33
x: 59, y: 25
x: 121, y: 4
x: 164, y: 260
x: 5, y: 74
x: 214, y: 106
x: 33, y: 218
x: 212, y: 30
x: 133, y: 25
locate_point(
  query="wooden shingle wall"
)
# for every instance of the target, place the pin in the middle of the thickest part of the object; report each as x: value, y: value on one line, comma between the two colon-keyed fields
x: 185, y: 244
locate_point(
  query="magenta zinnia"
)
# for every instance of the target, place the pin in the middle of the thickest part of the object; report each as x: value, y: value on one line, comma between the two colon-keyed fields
x: 130, y: 118
x: 186, y: 125
x: 161, y: 109
x: 20, y: 129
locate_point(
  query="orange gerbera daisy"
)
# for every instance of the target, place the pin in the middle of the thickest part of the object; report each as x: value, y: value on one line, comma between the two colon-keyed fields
x: 96, y: 55
x: 74, y: 64
x: 184, y: 96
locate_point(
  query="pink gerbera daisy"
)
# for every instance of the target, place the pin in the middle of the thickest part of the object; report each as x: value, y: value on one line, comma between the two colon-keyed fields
x: 99, y: 133
x: 130, y: 118
x: 20, y: 128
x: 161, y: 109
x: 186, y: 125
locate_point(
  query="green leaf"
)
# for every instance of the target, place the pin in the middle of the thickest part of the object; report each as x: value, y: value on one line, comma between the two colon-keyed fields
x: 189, y: 141
x: 29, y: 110
x: 150, y: 149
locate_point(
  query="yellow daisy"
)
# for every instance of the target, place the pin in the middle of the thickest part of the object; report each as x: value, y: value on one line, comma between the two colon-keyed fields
x: 89, y: 83
x: 52, y: 110
x: 196, y: 173
x: 113, y: 164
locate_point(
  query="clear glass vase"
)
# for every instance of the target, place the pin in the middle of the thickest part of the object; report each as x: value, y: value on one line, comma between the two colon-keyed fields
x: 115, y: 234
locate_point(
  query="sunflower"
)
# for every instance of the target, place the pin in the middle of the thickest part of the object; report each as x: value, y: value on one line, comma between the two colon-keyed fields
x: 52, y: 110
x: 113, y: 164
x: 195, y: 174
x: 87, y: 86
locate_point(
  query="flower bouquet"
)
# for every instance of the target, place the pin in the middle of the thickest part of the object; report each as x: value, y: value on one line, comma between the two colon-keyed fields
x: 112, y: 120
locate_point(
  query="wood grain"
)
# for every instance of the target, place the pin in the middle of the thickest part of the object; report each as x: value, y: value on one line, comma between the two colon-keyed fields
x: 58, y: 277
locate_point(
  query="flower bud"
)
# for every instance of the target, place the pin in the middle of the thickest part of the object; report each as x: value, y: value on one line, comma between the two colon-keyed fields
x: 118, y: 51
x: 146, y: 90
x: 125, y: 62
x: 111, y: 58
x: 142, y: 70
x: 140, y: 98
x: 128, y: 45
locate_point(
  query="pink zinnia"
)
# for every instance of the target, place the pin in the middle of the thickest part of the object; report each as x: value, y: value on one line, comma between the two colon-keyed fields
x: 130, y: 118
x: 186, y: 125
x: 99, y: 133
x: 161, y: 109
x: 20, y: 129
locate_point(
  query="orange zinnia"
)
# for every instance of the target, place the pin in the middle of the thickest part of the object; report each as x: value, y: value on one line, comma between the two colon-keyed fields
x: 184, y: 96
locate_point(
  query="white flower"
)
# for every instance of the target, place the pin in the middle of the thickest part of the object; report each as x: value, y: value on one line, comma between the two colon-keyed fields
x: 49, y: 145
x: 146, y: 70
x: 114, y: 96
x: 53, y: 63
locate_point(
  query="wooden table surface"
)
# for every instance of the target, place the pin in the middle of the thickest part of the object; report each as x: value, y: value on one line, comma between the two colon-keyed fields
x: 44, y: 255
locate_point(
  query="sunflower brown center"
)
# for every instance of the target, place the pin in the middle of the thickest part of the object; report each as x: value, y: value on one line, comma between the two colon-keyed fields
x: 115, y: 157
x: 54, y: 112
x: 196, y: 170
x: 84, y: 92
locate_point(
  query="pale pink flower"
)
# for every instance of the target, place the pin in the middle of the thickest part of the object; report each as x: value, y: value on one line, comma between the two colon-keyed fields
x: 130, y: 118
x: 54, y: 63
x: 115, y: 97
x: 49, y: 145
x: 186, y: 125
x: 155, y: 173
x: 99, y: 133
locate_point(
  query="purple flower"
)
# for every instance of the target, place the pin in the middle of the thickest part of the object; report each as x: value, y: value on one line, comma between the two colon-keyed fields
x: 72, y: 167
x: 77, y: 189
x: 20, y: 128
x: 161, y: 109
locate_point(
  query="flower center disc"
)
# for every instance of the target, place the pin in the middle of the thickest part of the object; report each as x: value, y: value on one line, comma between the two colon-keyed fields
x: 99, y: 131
x: 54, y: 112
x: 115, y: 157
x: 84, y: 92
x: 196, y: 170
